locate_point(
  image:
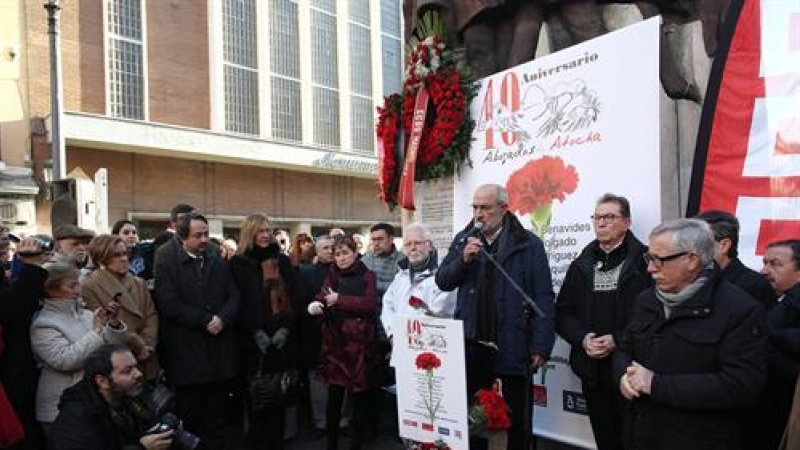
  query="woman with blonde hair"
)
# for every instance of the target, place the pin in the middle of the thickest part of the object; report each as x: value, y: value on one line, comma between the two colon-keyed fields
x: 112, y: 282
x: 64, y: 334
x: 265, y: 279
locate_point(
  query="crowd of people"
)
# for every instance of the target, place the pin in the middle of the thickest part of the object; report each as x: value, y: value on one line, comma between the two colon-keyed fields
x: 677, y: 343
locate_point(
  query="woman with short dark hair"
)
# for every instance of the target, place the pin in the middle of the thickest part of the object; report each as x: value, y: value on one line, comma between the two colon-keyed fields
x: 349, y: 359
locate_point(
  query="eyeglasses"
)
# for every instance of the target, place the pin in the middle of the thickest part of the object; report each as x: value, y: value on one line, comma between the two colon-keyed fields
x: 658, y: 261
x: 605, y: 217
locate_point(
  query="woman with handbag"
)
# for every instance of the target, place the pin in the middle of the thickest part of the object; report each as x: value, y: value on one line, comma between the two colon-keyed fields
x: 265, y: 279
x: 349, y: 358
x: 113, y: 282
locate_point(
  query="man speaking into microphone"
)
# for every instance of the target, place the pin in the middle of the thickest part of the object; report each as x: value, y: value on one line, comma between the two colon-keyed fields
x: 498, y: 267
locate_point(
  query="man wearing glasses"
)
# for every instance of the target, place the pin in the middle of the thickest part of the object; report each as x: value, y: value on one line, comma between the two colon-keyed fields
x: 502, y: 341
x: 695, y: 350
x: 414, y: 291
x: 593, y: 310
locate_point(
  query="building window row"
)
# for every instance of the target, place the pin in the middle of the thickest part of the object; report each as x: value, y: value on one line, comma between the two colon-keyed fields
x: 243, y: 73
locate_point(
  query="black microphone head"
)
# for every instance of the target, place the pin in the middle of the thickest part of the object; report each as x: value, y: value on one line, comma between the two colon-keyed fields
x: 478, y: 225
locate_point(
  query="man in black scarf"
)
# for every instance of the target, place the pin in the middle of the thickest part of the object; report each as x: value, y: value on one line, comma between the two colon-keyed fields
x: 504, y: 339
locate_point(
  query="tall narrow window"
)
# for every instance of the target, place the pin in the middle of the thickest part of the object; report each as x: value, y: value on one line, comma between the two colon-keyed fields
x: 390, y: 46
x: 284, y: 51
x: 361, y: 117
x: 125, y: 59
x: 240, y: 62
x: 325, y: 73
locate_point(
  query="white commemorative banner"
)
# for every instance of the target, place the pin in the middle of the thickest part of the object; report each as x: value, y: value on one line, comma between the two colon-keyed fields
x: 428, y: 356
x: 559, y: 132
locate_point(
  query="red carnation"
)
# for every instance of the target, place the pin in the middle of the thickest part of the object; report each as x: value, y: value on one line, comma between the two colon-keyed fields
x: 428, y: 361
x: 539, y: 182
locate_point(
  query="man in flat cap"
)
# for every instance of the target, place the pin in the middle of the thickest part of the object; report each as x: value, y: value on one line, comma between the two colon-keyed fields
x: 71, y: 243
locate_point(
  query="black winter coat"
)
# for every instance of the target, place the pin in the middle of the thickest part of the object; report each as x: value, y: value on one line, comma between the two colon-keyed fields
x: 248, y: 275
x: 709, y: 361
x: 751, y: 282
x: 575, y: 307
x: 309, y: 283
x: 19, y: 373
x: 187, y: 299
x: 783, y: 322
x: 84, y: 423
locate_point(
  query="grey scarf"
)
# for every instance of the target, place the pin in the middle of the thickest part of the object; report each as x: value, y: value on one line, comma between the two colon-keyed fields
x: 672, y: 300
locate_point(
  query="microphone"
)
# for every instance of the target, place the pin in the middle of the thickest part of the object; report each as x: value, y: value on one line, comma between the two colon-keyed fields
x: 476, y: 230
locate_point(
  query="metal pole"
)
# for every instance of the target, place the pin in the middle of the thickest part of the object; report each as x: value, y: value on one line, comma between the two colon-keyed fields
x: 56, y: 92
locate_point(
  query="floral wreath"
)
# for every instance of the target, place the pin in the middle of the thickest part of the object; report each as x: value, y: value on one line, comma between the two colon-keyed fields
x: 444, y: 144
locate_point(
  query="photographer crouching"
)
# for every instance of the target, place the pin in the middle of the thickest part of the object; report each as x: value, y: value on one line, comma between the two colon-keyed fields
x: 102, y: 411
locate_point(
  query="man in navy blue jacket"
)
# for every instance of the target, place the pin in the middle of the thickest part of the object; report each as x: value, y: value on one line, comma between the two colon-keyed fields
x: 503, y: 339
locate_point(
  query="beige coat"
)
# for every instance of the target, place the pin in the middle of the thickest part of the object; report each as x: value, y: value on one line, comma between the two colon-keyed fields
x: 791, y: 439
x: 62, y: 338
x: 137, y: 311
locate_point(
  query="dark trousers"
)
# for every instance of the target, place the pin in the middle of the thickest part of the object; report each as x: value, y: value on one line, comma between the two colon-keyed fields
x: 516, y: 392
x: 265, y: 429
x: 202, y: 408
x: 606, y: 408
x: 361, y: 412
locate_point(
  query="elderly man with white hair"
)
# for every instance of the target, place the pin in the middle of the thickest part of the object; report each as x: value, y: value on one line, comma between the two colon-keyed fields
x: 694, y: 353
x: 414, y: 292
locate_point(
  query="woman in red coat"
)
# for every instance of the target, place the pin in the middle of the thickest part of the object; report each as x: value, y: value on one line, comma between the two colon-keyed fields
x: 348, y: 304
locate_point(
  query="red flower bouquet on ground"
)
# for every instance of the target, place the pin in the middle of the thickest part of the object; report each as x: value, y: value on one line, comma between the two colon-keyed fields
x: 489, y: 413
x: 438, y: 445
x: 533, y: 189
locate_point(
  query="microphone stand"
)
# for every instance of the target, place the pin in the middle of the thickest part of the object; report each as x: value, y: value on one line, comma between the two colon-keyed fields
x: 528, y: 306
x: 527, y: 301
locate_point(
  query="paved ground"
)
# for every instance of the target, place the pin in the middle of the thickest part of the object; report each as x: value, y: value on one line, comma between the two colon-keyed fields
x: 306, y: 439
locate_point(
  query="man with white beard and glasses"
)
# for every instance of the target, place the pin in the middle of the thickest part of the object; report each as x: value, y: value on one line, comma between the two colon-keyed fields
x: 100, y: 413
x: 414, y: 291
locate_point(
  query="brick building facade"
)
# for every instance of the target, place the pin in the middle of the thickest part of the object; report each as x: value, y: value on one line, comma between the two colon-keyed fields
x: 232, y: 106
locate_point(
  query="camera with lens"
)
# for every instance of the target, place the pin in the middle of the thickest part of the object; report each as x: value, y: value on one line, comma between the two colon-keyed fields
x: 181, y: 439
x: 44, y: 242
x: 159, y: 402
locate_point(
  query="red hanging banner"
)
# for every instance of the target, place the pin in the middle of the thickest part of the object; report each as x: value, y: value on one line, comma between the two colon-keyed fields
x: 406, y: 193
x: 747, y: 159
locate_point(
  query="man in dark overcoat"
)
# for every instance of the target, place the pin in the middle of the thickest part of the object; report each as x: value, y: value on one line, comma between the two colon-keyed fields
x: 504, y: 338
x: 593, y: 310
x: 695, y: 351
x: 199, y: 304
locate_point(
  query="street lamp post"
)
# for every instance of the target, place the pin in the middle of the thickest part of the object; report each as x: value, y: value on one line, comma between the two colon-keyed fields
x: 56, y: 91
